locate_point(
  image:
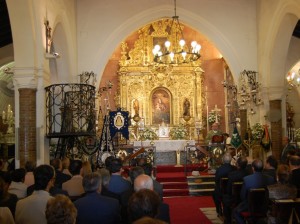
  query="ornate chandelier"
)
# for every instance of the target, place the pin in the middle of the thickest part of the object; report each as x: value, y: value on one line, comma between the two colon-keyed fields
x: 175, y: 51
x: 293, y: 79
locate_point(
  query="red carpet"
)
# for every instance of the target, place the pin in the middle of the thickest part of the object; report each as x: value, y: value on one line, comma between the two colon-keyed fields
x: 186, y: 209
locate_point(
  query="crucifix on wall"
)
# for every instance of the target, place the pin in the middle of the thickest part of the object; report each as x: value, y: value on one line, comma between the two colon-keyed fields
x: 216, y: 111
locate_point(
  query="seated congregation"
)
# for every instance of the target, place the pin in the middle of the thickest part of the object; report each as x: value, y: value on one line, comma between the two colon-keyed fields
x: 246, y: 191
x: 75, y: 193
x: 257, y: 192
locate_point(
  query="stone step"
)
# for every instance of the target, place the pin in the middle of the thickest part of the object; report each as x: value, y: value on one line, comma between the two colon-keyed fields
x: 201, y: 192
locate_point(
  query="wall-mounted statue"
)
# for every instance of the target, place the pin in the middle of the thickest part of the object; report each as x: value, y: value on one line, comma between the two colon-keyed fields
x: 186, y: 107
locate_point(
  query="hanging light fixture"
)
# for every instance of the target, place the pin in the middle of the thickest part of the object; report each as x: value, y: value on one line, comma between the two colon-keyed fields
x: 293, y: 79
x: 175, y: 50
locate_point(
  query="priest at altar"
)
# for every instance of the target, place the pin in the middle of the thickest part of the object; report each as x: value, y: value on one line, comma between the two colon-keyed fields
x: 215, y: 130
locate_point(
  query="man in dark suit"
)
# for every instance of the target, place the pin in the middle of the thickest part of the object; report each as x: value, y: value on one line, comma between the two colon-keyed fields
x: 294, y: 163
x: 93, y: 207
x: 234, y: 176
x: 255, y: 180
x: 117, y: 184
x: 144, y: 181
x: 221, y: 172
x: 270, y: 167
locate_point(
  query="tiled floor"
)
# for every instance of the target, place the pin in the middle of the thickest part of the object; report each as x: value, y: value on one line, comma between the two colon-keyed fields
x: 211, y: 214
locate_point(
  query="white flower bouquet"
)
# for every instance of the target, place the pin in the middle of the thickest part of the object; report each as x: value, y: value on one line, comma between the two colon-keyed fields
x: 212, y: 117
x: 297, y: 134
x: 257, y: 131
x: 148, y: 134
x: 179, y: 132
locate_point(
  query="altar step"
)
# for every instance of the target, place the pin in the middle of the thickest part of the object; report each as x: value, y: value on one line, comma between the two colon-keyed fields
x: 176, y: 183
x: 202, y: 185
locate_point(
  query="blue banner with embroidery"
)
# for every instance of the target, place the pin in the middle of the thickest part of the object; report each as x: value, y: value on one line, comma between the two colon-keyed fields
x: 119, y: 122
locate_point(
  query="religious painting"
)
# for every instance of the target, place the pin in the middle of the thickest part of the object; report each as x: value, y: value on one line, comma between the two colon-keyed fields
x: 161, y: 104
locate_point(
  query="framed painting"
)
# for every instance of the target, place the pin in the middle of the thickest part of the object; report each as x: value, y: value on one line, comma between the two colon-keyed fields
x: 161, y: 106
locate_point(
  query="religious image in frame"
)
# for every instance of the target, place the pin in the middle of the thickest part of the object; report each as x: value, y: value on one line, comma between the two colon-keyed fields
x: 161, y: 103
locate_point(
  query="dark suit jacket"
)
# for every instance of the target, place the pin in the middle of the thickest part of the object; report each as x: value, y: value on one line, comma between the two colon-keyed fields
x: 158, y: 188
x: 95, y: 208
x: 295, y: 178
x: 117, y: 184
x: 61, y: 178
x: 270, y: 172
x: 255, y: 180
x: 235, y: 176
x: 221, y: 172
x: 164, y: 212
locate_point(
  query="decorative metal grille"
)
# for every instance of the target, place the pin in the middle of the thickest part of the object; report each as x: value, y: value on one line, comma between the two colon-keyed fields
x: 70, y: 110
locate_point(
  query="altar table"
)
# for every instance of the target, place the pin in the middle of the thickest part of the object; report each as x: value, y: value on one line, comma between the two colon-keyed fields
x: 166, y: 145
x: 166, y: 150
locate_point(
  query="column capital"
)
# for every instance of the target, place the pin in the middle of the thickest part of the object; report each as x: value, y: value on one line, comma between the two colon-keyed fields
x: 275, y: 92
x: 26, y: 77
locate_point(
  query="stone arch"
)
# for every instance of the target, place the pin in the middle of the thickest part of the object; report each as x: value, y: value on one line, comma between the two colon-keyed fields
x: 144, y: 17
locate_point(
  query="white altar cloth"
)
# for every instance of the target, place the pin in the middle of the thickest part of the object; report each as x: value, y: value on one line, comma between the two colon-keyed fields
x: 166, y: 145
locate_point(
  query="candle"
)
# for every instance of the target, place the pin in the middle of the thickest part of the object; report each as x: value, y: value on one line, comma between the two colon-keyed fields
x: 3, y: 115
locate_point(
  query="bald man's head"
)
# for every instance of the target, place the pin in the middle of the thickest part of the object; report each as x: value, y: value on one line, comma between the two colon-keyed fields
x: 143, y: 181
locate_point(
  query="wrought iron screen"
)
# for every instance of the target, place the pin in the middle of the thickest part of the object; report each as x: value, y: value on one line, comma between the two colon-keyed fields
x: 70, y: 110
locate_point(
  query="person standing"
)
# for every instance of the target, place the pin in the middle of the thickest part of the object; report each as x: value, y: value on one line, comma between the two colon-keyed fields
x: 287, y: 149
x: 32, y: 209
x: 215, y: 130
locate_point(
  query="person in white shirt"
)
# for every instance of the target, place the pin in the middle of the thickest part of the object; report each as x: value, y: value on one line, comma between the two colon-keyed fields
x: 17, y: 185
x: 32, y: 209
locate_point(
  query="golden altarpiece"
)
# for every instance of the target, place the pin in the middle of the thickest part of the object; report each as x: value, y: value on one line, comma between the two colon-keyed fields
x: 155, y: 93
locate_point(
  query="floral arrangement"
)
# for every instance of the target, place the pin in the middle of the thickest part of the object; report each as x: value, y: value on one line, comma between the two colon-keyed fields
x: 257, y: 131
x: 179, y: 132
x: 212, y: 117
x: 148, y: 134
x: 297, y: 134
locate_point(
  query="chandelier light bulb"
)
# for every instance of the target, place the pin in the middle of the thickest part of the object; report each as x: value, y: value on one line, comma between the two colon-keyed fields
x: 172, y: 56
x: 167, y: 44
x: 183, y: 55
x: 293, y: 75
x: 198, y: 48
x: 181, y: 43
x: 194, y: 44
